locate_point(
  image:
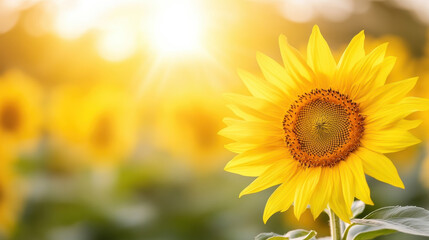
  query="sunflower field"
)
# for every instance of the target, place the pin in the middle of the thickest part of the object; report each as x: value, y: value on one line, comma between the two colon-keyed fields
x: 214, y: 119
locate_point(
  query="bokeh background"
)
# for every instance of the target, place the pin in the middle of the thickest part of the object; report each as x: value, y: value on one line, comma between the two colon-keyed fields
x: 109, y: 111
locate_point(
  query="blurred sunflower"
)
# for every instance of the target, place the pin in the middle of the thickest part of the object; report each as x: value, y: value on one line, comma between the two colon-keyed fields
x: 99, y: 121
x: 317, y: 127
x: 188, y: 126
x: 422, y: 89
x: 20, y: 110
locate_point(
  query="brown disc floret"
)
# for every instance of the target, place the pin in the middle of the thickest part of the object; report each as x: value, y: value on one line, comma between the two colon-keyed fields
x: 322, y: 127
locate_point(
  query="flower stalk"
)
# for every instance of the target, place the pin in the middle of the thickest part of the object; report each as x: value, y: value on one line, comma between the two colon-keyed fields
x: 335, y: 225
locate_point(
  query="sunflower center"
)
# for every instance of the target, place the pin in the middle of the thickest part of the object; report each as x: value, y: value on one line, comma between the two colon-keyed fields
x: 103, y: 133
x: 9, y: 118
x: 322, y: 128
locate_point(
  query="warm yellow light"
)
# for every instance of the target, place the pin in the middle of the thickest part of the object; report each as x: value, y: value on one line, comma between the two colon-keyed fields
x: 176, y: 28
x: 117, y: 42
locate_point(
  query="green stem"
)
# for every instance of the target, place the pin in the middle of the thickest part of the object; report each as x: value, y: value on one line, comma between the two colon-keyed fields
x: 335, y: 224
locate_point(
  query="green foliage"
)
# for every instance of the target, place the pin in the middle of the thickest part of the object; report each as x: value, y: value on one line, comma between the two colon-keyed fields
x: 297, y: 234
x: 358, y: 207
x: 387, y: 220
x: 384, y: 221
x: 362, y: 232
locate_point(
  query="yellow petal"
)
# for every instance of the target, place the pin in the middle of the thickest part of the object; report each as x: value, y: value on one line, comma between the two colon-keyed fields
x: 294, y: 63
x: 238, y: 147
x: 347, y: 182
x: 407, y: 124
x: 385, y: 70
x: 257, y: 160
x: 388, y: 141
x: 376, y: 56
x: 322, y: 193
x: 319, y: 56
x: 281, y: 199
x: 399, y: 125
x: 304, y: 191
x: 259, y: 104
x: 353, y: 53
x: 361, y: 186
x: 337, y: 202
x: 232, y: 121
x: 367, y: 87
x: 251, y: 132
x: 366, y: 69
x: 279, y: 172
x: 262, y: 89
x: 249, y: 114
x: 250, y: 171
x: 394, y: 112
x: 389, y: 93
x: 379, y: 167
x: 276, y: 74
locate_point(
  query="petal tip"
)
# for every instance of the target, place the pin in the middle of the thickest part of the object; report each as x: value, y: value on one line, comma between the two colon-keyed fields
x: 346, y: 221
x: 384, y: 46
x: 315, y: 215
x: 401, y: 185
x: 316, y: 28
x: 241, y: 194
x: 260, y: 57
x: 226, y: 96
x: 265, y: 219
x: 398, y: 183
x: 227, y: 167
x: 297, y: 213
x: 282, y: 40
x: 361, y: 36
x: 240, y: 71
x: 222, y: 132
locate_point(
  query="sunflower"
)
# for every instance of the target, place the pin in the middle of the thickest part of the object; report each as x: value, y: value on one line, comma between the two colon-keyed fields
x: 422, y: 90
x: 315, y: 127
x: 187, y: 127
x: 98, y: 121
x: 20, y: 112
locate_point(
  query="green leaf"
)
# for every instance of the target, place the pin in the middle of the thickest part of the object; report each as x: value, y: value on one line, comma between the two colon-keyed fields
x: 358, y: 207
x: 298, y: 234
x: 362, y: 232
x: 265, y: 236
x: 387, y: 220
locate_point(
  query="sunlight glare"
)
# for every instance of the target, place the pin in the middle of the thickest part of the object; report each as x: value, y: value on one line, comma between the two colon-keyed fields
x: 176, y: 28
x: 117, y: 43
